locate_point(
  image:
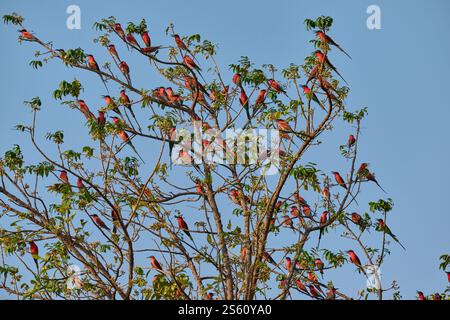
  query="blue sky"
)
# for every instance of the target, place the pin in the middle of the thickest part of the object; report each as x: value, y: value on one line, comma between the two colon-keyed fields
x: 399, y: 72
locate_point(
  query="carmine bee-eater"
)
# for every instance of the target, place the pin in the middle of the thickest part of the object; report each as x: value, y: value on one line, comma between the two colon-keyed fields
x: 125, y: 69
x: 146, y: 38
x: 63, y: 176
x: 287, y: 221
x: 339, y: 180
x: 371, y: 177
x: 131, y: 39
x: 382, y: 227
x: 237, y: 79
x: 126, y: 102
x: 267, y: 257
x: 111, y: 105
x: 260, y: 98
x: 118, y: 29
x: 313, y: 291
x: 331, y: 294
x: 437, y: 296
x: 93, y: 65
x: 283, y: 126
x: 85, y: 109
x: 179, y: 42
x: 288, y: 264
x: 188, y: 61
x: 448, y: 276
x: 421, y: 296
x: 294, y: 211
x: 362, y: 171
x: 101, y: 120
x: 276, y: 86
x: 357, y: 219
x: 155, y: 264
x: 113, y: 52
x: 34, y: 251
x: 326, y: 193
x: 323, y: 59
x: 351, y: 140
x: 184, y: 227
x: 192, y: 84
x: 126, y: 139
x: 199, y: 188
x: 354, y: 258
x: 243, y: 99
x: 115, y: 212
x: 310, y: 94
x: 300, y: 285
x: 327, y: 39
x: 99, y: 222
x: 244, y: 251
x: 322, y: 222
x: 26, y: 35
x: 319, y: 265
x: 80, y: 184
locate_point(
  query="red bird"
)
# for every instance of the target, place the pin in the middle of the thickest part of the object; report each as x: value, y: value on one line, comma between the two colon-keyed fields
x: 331, y: 294
x: 125, y: 138
x: 322, y: 222
x: 99, y: 222
x: 34, y: 251
x: 101, y: 120
x: 314, y: 293
x: 437, y: 296
x: 354, y: 258
x: 327, y: 39
x: 300, y: 285
x: 63, y: 176
x: 26, y: 34
x: 356, y: 218
x: 146, y: 38
x: 288, y: 264
x: 339, y: 180
x: 92, y: 63
x: 123, y: 66
x: 190, y: 63
x: 244, y: 251
x: 237, y: 79
x: 284, y: 126
x: 113, y: 52
x: 183, y: 226
x: 155, y: 264
x: 448, y: 276
x: 371, y: 177
x: 310, y: 94
x: 294, y: 211
x: 180, y: 42
x: 199, y: 188
x: 132, y: 40
x: 85, y: 109
x: 80, y: 184
x: 323, y: 59
x: 326, y: 193
x: 275, y: 86
x: 287, y: 221
x: 243, y: 99
x: 261, y: 97
x: 351, y: 140
x: 319, y: 264
x: 421, y: 296
x: 118, y: 29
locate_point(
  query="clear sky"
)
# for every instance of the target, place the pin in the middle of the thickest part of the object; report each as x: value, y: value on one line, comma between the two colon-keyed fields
x: 399, y: 72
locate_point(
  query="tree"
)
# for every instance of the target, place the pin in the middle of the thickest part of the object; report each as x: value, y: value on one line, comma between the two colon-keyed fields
x: 225, y: 230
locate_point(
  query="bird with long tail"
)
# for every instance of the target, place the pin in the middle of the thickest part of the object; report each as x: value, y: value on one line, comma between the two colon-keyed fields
x: 382, y: 227
x: 93, y: 65
x: 126, y: 102
x: 126, y: 139
x: 328, y: 40
x: 323, y: 59
x: 34, y: 251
